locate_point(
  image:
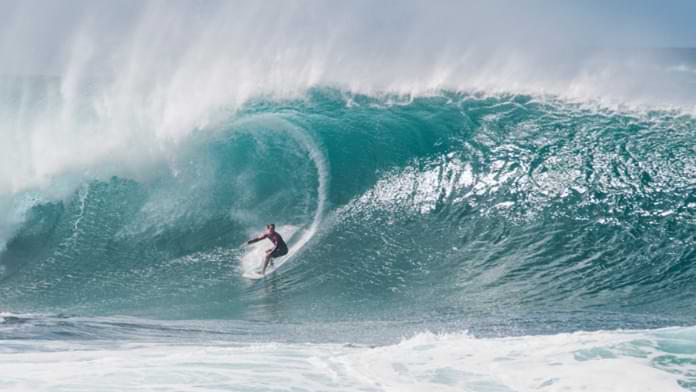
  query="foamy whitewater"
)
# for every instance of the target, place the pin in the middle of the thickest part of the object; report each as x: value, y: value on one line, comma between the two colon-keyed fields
x: 476, y: 197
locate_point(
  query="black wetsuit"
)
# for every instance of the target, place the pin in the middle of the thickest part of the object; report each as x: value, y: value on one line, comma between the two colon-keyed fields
x: 281, y: 248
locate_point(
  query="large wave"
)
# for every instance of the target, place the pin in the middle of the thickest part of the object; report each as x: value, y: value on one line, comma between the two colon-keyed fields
x: 494, y: 210
x: 438, y: 163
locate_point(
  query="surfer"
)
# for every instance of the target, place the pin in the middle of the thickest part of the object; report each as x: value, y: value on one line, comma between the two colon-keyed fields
x: 280, y: 248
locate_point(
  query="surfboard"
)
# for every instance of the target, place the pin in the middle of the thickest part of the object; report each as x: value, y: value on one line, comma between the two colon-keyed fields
x: 256, y: 273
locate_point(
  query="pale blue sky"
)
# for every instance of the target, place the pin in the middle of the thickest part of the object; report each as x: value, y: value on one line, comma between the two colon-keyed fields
x: 632, y: 23
x: 36, y: 35
x: 627, y: 23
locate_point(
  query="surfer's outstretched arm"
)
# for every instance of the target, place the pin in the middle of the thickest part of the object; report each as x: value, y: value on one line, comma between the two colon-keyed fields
x: 257, y: 239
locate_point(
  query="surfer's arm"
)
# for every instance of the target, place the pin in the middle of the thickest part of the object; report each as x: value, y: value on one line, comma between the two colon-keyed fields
x: 257, y: 239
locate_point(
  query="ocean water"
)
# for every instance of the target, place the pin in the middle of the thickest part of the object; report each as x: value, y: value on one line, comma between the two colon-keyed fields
x: 452, y: 242
x: 448, y: 230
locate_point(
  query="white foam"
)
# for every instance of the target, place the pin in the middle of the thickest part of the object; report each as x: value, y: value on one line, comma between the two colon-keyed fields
x: 646, y: 361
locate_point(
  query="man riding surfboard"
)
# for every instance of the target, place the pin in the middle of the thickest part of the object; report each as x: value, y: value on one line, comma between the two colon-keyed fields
x: 280, y: 248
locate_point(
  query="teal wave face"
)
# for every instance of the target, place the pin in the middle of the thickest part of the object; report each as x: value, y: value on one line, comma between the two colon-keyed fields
x: 457, y: 206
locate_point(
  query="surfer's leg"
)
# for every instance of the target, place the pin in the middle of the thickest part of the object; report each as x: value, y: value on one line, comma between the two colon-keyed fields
x: 265, y: 263
x: 277, y: 253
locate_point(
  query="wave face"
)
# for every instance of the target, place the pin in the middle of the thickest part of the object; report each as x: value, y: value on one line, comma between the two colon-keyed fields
x: 508, y: 212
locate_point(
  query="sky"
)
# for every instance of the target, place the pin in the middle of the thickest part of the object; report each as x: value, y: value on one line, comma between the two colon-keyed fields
x: 610, y: 23
x: 637, y: 23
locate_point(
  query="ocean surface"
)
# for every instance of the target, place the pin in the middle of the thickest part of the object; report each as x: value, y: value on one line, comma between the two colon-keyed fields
x: 456, y: 242
x: 492, y: 236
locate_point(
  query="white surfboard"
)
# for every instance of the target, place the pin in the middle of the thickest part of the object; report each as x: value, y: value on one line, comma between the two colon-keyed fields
x: 256, y: 274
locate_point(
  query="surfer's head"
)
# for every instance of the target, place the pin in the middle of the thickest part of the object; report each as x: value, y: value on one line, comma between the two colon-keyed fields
x: 270, y: 227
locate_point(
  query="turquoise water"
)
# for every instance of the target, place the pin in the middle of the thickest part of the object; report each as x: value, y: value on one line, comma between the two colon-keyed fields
x: 454, y: 206
x: 468, y: 227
